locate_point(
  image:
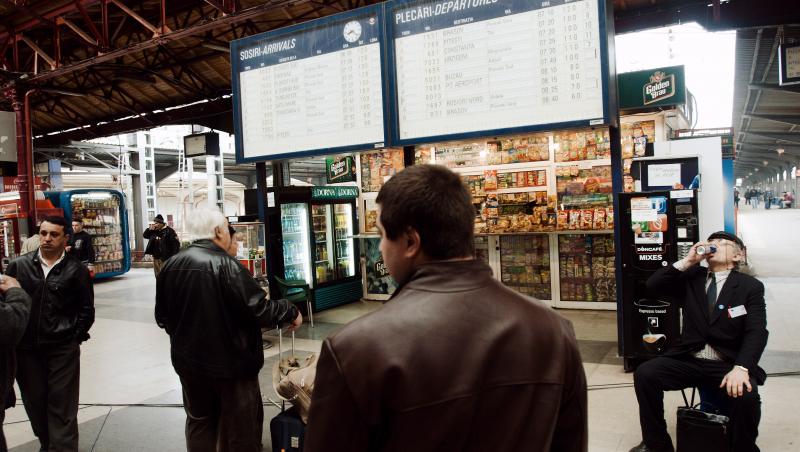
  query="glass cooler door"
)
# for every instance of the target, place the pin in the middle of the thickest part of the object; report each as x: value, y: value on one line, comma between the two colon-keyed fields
x: 323, y: 257
x: 100, y: 214
x: 586, y: 267
x: 296, y: 255
x: 525, y: 264
x: 345, y: 257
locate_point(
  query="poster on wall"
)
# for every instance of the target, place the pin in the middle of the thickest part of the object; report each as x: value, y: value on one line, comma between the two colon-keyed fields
x: 499, y: 67
x: 379, y: 282
x: 340, y: 168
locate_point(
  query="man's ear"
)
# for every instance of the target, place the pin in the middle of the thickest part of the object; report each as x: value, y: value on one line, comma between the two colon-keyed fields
x: 413, y: 243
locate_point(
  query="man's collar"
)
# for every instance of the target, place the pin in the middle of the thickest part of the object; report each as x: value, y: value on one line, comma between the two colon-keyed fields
x: 41, y: 258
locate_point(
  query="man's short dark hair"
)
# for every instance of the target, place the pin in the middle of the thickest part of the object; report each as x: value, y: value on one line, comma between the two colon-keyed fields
x: 435, y: 202
x: 58, y: 221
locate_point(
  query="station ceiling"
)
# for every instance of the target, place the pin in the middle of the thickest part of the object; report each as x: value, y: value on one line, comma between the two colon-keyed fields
x: 104, y: 67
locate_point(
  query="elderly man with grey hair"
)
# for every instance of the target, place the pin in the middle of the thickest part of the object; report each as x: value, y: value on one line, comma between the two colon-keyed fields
x: 213, y: 311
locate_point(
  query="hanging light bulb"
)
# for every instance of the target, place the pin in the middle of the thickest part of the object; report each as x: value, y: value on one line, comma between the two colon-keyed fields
x: 780, y: 151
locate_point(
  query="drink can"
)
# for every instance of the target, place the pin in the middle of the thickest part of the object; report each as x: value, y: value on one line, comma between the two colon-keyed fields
x: 703, y: 249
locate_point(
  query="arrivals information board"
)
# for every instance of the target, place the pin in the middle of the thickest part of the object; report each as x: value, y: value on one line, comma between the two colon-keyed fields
x: 310, y: 89
x: 467, y: 67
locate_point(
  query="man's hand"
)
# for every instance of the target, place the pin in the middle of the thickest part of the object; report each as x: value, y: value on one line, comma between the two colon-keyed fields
x: 8, y: 282
x: 693, y: 258
x: 295, y: 323
x: 68, y: 248
x: 734, y: 382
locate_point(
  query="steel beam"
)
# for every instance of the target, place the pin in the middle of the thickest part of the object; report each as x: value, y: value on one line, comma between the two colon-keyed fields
x: 791, y: 119
x: 156, y: 30
x: 224, y: 21
x: 216, y: 112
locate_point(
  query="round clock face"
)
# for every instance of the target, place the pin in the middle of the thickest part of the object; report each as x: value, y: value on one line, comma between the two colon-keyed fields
x: 352, y: 31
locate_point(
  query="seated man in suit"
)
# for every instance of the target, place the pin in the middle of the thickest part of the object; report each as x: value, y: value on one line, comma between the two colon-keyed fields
x: 724, y: 334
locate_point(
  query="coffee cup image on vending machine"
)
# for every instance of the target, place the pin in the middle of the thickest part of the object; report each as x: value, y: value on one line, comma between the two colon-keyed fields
x: 652, y: 314
x: 654, y: 342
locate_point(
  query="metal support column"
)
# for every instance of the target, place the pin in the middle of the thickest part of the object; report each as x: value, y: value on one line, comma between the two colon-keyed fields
x: 147, y: 172
x: 23, y: 160
x: 216, y: 183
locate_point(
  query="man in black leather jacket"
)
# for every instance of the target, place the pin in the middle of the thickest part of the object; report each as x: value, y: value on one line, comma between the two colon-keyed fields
x: 48, y: 357
x: 15, y: 308
x: 213, y: 311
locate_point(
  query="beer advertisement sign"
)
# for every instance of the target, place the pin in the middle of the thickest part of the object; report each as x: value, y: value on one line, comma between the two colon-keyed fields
x: 661, y: 86
x: 658, y: 87
x: 789, y: 59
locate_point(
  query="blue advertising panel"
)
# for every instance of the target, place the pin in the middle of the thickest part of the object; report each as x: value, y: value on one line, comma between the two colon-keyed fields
x: 314, y: 88
x: 468, y: 68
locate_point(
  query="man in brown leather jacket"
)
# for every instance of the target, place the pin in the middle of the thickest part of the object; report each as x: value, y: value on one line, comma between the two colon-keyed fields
x: 454, y: 361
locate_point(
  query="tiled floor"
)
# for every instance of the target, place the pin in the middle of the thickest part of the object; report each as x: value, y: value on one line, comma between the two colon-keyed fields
x: 131, y: 396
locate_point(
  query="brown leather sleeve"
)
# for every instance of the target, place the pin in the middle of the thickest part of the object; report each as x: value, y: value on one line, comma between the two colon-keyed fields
x: 334, y: 422
x: 572, y: 428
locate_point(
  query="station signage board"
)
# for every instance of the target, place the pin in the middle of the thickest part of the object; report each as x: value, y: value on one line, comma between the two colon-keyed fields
x: 314, y: 88
x: 789, y: 64
x: 462, y: 68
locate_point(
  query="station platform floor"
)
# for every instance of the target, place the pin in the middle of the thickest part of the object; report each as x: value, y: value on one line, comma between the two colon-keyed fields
x: 130, y: 396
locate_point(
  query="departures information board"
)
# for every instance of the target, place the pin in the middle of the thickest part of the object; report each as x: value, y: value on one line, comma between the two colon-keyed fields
x: 311, y: 89
x: 467, y: 67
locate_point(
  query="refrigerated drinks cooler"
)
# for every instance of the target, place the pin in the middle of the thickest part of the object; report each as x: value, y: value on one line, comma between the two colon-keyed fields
x: 14, y: 224
x: 251, y: 241
x: 311, y: 238
x: 657, y: 229
x: 104, y: 216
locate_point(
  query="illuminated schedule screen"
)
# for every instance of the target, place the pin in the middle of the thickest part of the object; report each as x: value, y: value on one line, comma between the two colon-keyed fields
x: 464, y: 66
x: 310, y: 89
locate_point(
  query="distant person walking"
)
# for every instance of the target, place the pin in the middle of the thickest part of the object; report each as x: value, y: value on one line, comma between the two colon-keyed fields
x: 736, y: 197
x: 162, y: 242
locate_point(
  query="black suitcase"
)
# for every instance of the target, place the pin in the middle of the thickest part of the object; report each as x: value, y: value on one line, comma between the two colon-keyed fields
x: 287, y: 431
x: 287, y: 428
x: 701, y: 431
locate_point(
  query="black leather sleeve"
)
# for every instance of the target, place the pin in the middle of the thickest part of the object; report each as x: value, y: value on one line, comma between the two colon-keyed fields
x: 162, y: 303
x: 86, y: 297
x: 15, y: 311
x: 242, y: 286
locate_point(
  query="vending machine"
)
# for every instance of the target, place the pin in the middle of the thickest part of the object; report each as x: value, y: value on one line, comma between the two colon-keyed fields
x: 311, y: 237
x: 251, y: 244
x: 657, y: 229
x: 104, y: 216
x: 14, y: 224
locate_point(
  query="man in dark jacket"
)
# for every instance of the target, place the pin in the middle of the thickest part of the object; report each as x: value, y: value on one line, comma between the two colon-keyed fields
x: 80, y: 244
x: 162, y: 242
x: 724, y: 334
x: 48, y: 357
x: 15, y: 307
x: 213, y: 311
x: 455, y: 360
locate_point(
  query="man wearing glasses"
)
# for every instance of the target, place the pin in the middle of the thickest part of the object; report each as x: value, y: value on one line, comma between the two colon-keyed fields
x: 724, y: 334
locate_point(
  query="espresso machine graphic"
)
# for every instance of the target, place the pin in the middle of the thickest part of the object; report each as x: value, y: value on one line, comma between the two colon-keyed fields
x: 657, y: 229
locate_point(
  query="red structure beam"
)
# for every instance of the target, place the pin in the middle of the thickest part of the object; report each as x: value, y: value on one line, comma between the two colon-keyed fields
x: 243, y: 15
x: 51, y: 15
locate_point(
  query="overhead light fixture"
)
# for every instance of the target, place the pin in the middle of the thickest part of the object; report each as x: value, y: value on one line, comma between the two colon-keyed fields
x: 765, y: 163
x: 755, y: 169
x: 780, y: 151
